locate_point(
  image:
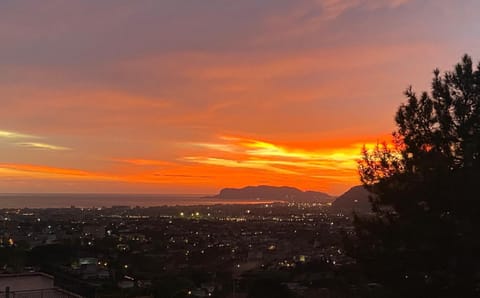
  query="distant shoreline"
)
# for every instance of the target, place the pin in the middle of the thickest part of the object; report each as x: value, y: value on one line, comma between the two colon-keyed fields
x: 62, y: 200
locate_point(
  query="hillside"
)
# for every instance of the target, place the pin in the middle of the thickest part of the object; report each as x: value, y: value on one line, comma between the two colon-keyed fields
x: 355, y: 199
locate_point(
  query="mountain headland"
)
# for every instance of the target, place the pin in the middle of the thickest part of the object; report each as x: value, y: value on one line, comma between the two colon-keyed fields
x: 274, y: 193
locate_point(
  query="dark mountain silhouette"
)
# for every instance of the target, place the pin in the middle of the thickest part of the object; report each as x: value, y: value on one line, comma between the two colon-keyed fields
x: 355, y: 199
x: 265, y: 192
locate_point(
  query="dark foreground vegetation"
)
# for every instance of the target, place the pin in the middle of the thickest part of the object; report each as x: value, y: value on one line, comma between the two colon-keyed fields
x: 422, y: 240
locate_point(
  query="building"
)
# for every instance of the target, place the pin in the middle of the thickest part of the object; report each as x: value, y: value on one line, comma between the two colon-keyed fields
x: 31, y: 285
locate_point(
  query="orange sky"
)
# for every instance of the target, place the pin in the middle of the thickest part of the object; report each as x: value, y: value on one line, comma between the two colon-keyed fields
x: 193, y: 96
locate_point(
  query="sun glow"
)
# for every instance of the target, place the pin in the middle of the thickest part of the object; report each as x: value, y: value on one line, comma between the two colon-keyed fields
x: 225, y: 161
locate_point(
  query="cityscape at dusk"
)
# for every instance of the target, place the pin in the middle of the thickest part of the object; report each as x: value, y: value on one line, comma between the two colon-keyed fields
x: 239, y: 149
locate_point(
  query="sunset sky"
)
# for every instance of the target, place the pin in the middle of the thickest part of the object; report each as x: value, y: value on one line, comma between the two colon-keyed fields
x: 185, y: 96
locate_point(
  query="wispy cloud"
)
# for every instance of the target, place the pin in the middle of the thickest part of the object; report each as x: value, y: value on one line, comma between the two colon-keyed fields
x: 36, y: 171
x: 28, y: 170
x: 16, y: 139
x: 217, y: 147
x: 249, y: 164
x: 14, y: 135
x: 42, y: 146
x: 144, y: 162
x: 334, y: 8
x: 236, y: 152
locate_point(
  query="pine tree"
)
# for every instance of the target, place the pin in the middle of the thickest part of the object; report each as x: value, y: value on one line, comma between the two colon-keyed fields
x: 423, y: 237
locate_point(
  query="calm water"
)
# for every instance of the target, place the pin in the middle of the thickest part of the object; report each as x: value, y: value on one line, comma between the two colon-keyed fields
x: 108, y: 200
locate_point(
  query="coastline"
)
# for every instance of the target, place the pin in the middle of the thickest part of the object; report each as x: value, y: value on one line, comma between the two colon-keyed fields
x: 65, y: 200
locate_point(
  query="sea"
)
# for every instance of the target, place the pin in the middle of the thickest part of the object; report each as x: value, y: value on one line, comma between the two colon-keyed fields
x: 67, y: 200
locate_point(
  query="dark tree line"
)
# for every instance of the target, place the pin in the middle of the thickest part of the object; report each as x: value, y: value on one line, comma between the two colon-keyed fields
x: 423, y: 238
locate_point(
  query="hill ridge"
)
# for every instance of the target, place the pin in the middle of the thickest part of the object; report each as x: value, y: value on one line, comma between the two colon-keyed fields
x: 268, y: 192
